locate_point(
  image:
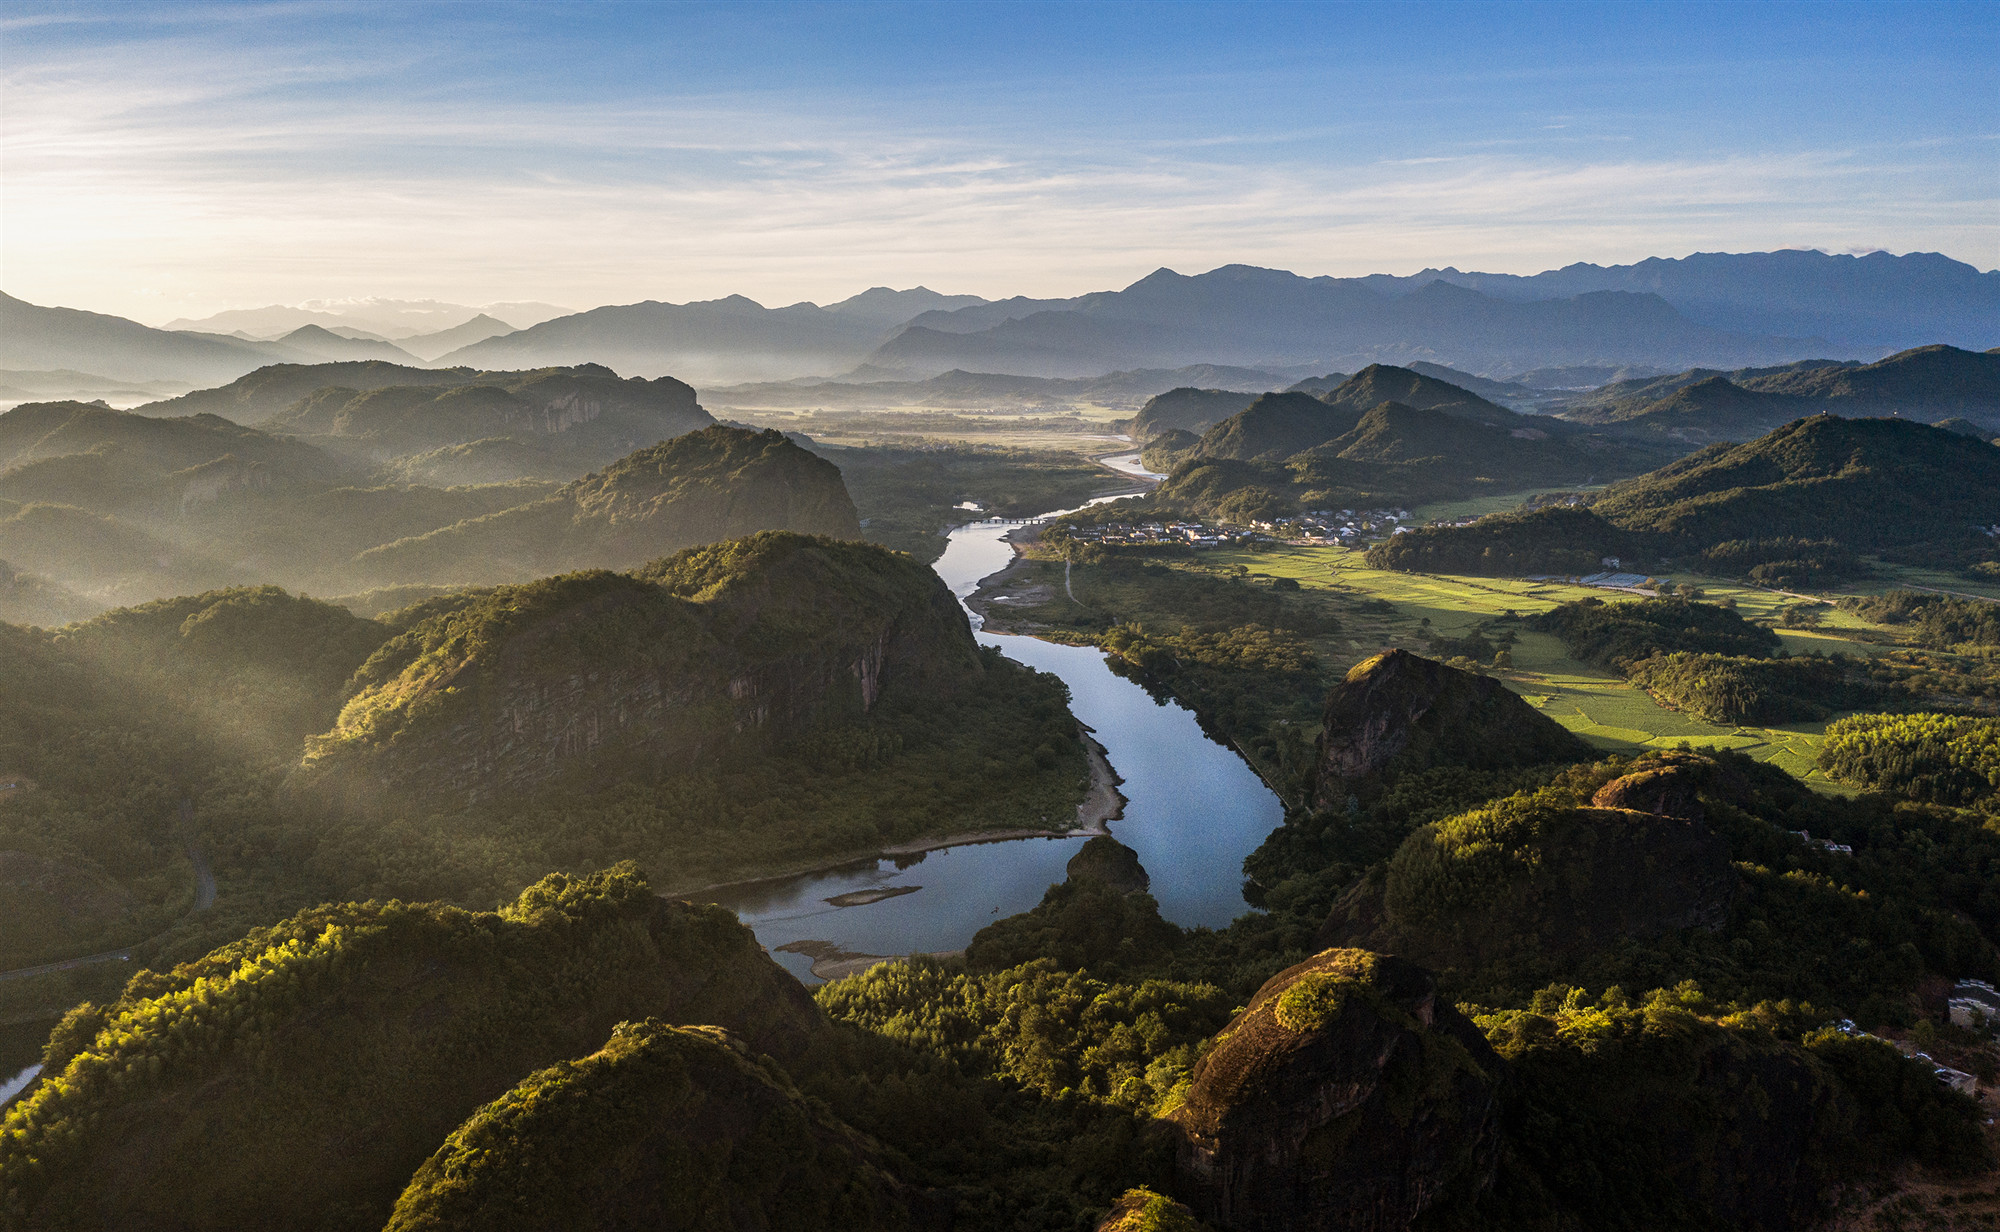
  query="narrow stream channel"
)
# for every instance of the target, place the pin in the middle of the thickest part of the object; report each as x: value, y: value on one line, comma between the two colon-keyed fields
x: 1195, y: 810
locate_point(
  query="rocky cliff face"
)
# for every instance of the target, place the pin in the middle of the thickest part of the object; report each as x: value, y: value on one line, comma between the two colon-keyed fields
x: 1399, y: 712
x: 752, y: 640
x: 1344, y: 1097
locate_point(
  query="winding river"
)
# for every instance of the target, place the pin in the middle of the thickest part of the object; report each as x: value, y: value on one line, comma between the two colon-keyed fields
x: 1194, y: 810
x: 18, y: 1083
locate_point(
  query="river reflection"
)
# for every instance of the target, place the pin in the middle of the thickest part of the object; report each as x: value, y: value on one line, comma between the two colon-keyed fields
x: 1195, y: 810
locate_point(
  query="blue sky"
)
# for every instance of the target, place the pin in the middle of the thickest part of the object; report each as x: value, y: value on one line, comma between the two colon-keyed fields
x: 175, y: 160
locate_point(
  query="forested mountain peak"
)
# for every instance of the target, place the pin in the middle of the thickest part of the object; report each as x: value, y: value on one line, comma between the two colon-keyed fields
x: 264, y: 393
x: 1276, y: 426
x: 1379, y: 383
x: 1865, y: 482
x: 737, y: 641
x: 37, y: 431
x: 458, y: 1006
x: 1930, y: 382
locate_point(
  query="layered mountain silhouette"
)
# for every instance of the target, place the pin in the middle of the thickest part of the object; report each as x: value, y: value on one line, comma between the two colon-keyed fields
x: 706, y: 486
x: 1873, y: 302
x: 35, y: 337
x: 100, y: 506
x: 1263, y: 318
x: 394, y: 319
x: 323, y: 343
x: 1574, y: 327
x: 456, y: 425
x: 1384, y: 435
x: 1927, y: 383
x: 722, y: 340
x: 429, y: 346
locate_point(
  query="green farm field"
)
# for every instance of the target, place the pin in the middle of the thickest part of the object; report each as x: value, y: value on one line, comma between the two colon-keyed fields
x: 1379, y: 609
x: 1084, y: 428
x: 1480, y: 506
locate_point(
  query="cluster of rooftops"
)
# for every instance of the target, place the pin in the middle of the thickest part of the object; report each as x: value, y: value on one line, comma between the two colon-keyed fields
x: 1193, y: 534
x: 1344, y: 526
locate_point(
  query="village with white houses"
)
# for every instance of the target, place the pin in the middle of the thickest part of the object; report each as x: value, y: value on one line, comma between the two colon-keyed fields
x: 1348, y: 527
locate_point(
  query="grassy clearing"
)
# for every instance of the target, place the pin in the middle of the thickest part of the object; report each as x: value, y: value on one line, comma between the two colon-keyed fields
x: 1909, y: 577
x: 1602, y: 708
x: 1480, y: 506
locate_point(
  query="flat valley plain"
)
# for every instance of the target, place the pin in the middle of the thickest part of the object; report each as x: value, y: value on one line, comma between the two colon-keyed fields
x: 1378, y: 609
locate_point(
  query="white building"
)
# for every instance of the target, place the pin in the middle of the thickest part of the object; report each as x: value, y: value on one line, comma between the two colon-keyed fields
x: 1974, y: 1003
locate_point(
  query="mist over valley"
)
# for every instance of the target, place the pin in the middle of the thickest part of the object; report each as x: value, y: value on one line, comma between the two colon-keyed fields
x: 527, y: 702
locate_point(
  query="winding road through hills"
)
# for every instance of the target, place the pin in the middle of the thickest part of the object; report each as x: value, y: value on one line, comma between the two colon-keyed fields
x: 204, y: 898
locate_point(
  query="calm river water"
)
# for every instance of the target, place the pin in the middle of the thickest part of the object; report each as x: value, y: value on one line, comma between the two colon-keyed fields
x: 1195, y: 810
x: 18, y: 1083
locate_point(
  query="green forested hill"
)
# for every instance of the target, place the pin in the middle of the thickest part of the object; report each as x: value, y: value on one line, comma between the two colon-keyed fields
x: 548, y: 424
x: 1275, y: 427
x: 1926, y: 383
x: 140, y: 445
x: 100, y: 556
x: 1710, y: 410
x: 141, y: 729
x: 257, y: 396
x: 1386, y: 435
x: 1379, y: 383
x: 1630, y: 1020
x: 1795, y: 506
x: 316, y: 1063
x: 663, y: 1127
x: 1867, y: 483
x: 769, y: 635
x: 118, y: 508
x: 733, y: 708
x: 703, y: 487
x: 1394, y: 432
x: 1186, y: 408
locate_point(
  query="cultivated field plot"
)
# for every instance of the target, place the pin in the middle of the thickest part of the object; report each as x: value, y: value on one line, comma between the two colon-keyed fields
x: 1602, y: 708
x: 1087, y: 431
x: 1480, y: 506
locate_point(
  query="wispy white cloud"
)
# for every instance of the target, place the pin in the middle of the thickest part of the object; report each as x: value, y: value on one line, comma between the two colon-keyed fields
x: 165, y: 179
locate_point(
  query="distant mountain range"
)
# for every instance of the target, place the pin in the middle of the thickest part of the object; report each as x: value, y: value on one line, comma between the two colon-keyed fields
x: 723, y: 340
x: 454, y: 425
x: 390, y: 319
x: 1386, y: 435
x: 1702, y: 405
x: 100, y: 507
x: 39, y: 338
x: 1864, y: 304
x: 1574, y: 327
x: 1264, y: 318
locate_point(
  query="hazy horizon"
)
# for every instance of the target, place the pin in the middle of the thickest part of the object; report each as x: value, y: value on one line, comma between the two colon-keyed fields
x: 336, y: 305
x: 175, y: 161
